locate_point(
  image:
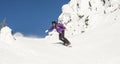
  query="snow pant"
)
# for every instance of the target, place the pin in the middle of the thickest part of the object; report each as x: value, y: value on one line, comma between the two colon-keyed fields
x: 62, y: 38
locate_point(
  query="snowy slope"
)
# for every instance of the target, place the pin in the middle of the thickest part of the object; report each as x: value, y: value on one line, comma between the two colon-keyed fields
x: 99, y: 44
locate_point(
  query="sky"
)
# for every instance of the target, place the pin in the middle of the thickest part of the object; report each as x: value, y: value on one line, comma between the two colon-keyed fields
x: 30, y: 17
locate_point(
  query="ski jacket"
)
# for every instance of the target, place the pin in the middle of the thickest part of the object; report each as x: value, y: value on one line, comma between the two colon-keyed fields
x: 59, y: 28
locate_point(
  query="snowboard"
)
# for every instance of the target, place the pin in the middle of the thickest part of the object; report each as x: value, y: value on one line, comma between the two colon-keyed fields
x: 63, y: 44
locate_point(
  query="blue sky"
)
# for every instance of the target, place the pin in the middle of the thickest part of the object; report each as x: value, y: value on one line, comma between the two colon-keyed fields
x: 30, y: 17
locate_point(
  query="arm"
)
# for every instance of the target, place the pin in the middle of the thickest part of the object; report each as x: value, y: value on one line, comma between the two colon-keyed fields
x: 49, y: 30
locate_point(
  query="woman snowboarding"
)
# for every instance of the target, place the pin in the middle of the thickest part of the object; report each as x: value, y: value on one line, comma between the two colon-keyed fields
x: 61, y: 30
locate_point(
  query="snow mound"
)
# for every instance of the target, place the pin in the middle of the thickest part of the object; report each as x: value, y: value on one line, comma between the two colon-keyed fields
x: 6, y: 35
x: 18, y: 34
x: 79, y: 15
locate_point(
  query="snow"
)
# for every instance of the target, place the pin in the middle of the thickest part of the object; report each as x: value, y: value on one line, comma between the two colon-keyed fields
x: 99, y: 44
x: 78, y: 15
x: 6, y: 35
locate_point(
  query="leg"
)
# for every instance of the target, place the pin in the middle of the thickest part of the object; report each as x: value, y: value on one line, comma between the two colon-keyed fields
x: 62, y: 38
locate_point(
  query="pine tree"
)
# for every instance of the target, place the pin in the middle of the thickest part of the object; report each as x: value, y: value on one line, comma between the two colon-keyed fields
x: 4, y: 22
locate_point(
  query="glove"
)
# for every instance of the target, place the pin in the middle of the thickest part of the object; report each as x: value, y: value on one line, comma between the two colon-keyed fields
x: 46, y: 31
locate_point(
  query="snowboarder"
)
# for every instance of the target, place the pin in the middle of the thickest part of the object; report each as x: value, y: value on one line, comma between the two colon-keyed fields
x: 61, y: 30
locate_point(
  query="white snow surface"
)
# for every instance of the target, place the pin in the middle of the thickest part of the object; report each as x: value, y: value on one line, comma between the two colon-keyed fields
x: 99, y: 44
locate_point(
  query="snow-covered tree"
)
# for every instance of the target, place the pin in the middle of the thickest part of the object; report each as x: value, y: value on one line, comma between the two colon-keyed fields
x: 78, y: 15
x: 6, y: 33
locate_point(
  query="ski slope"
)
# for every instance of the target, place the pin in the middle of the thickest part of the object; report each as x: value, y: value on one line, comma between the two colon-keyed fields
x: 99, y: 44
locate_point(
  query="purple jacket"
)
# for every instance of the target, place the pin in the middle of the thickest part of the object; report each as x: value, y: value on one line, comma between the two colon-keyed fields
x: 59, y: 28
